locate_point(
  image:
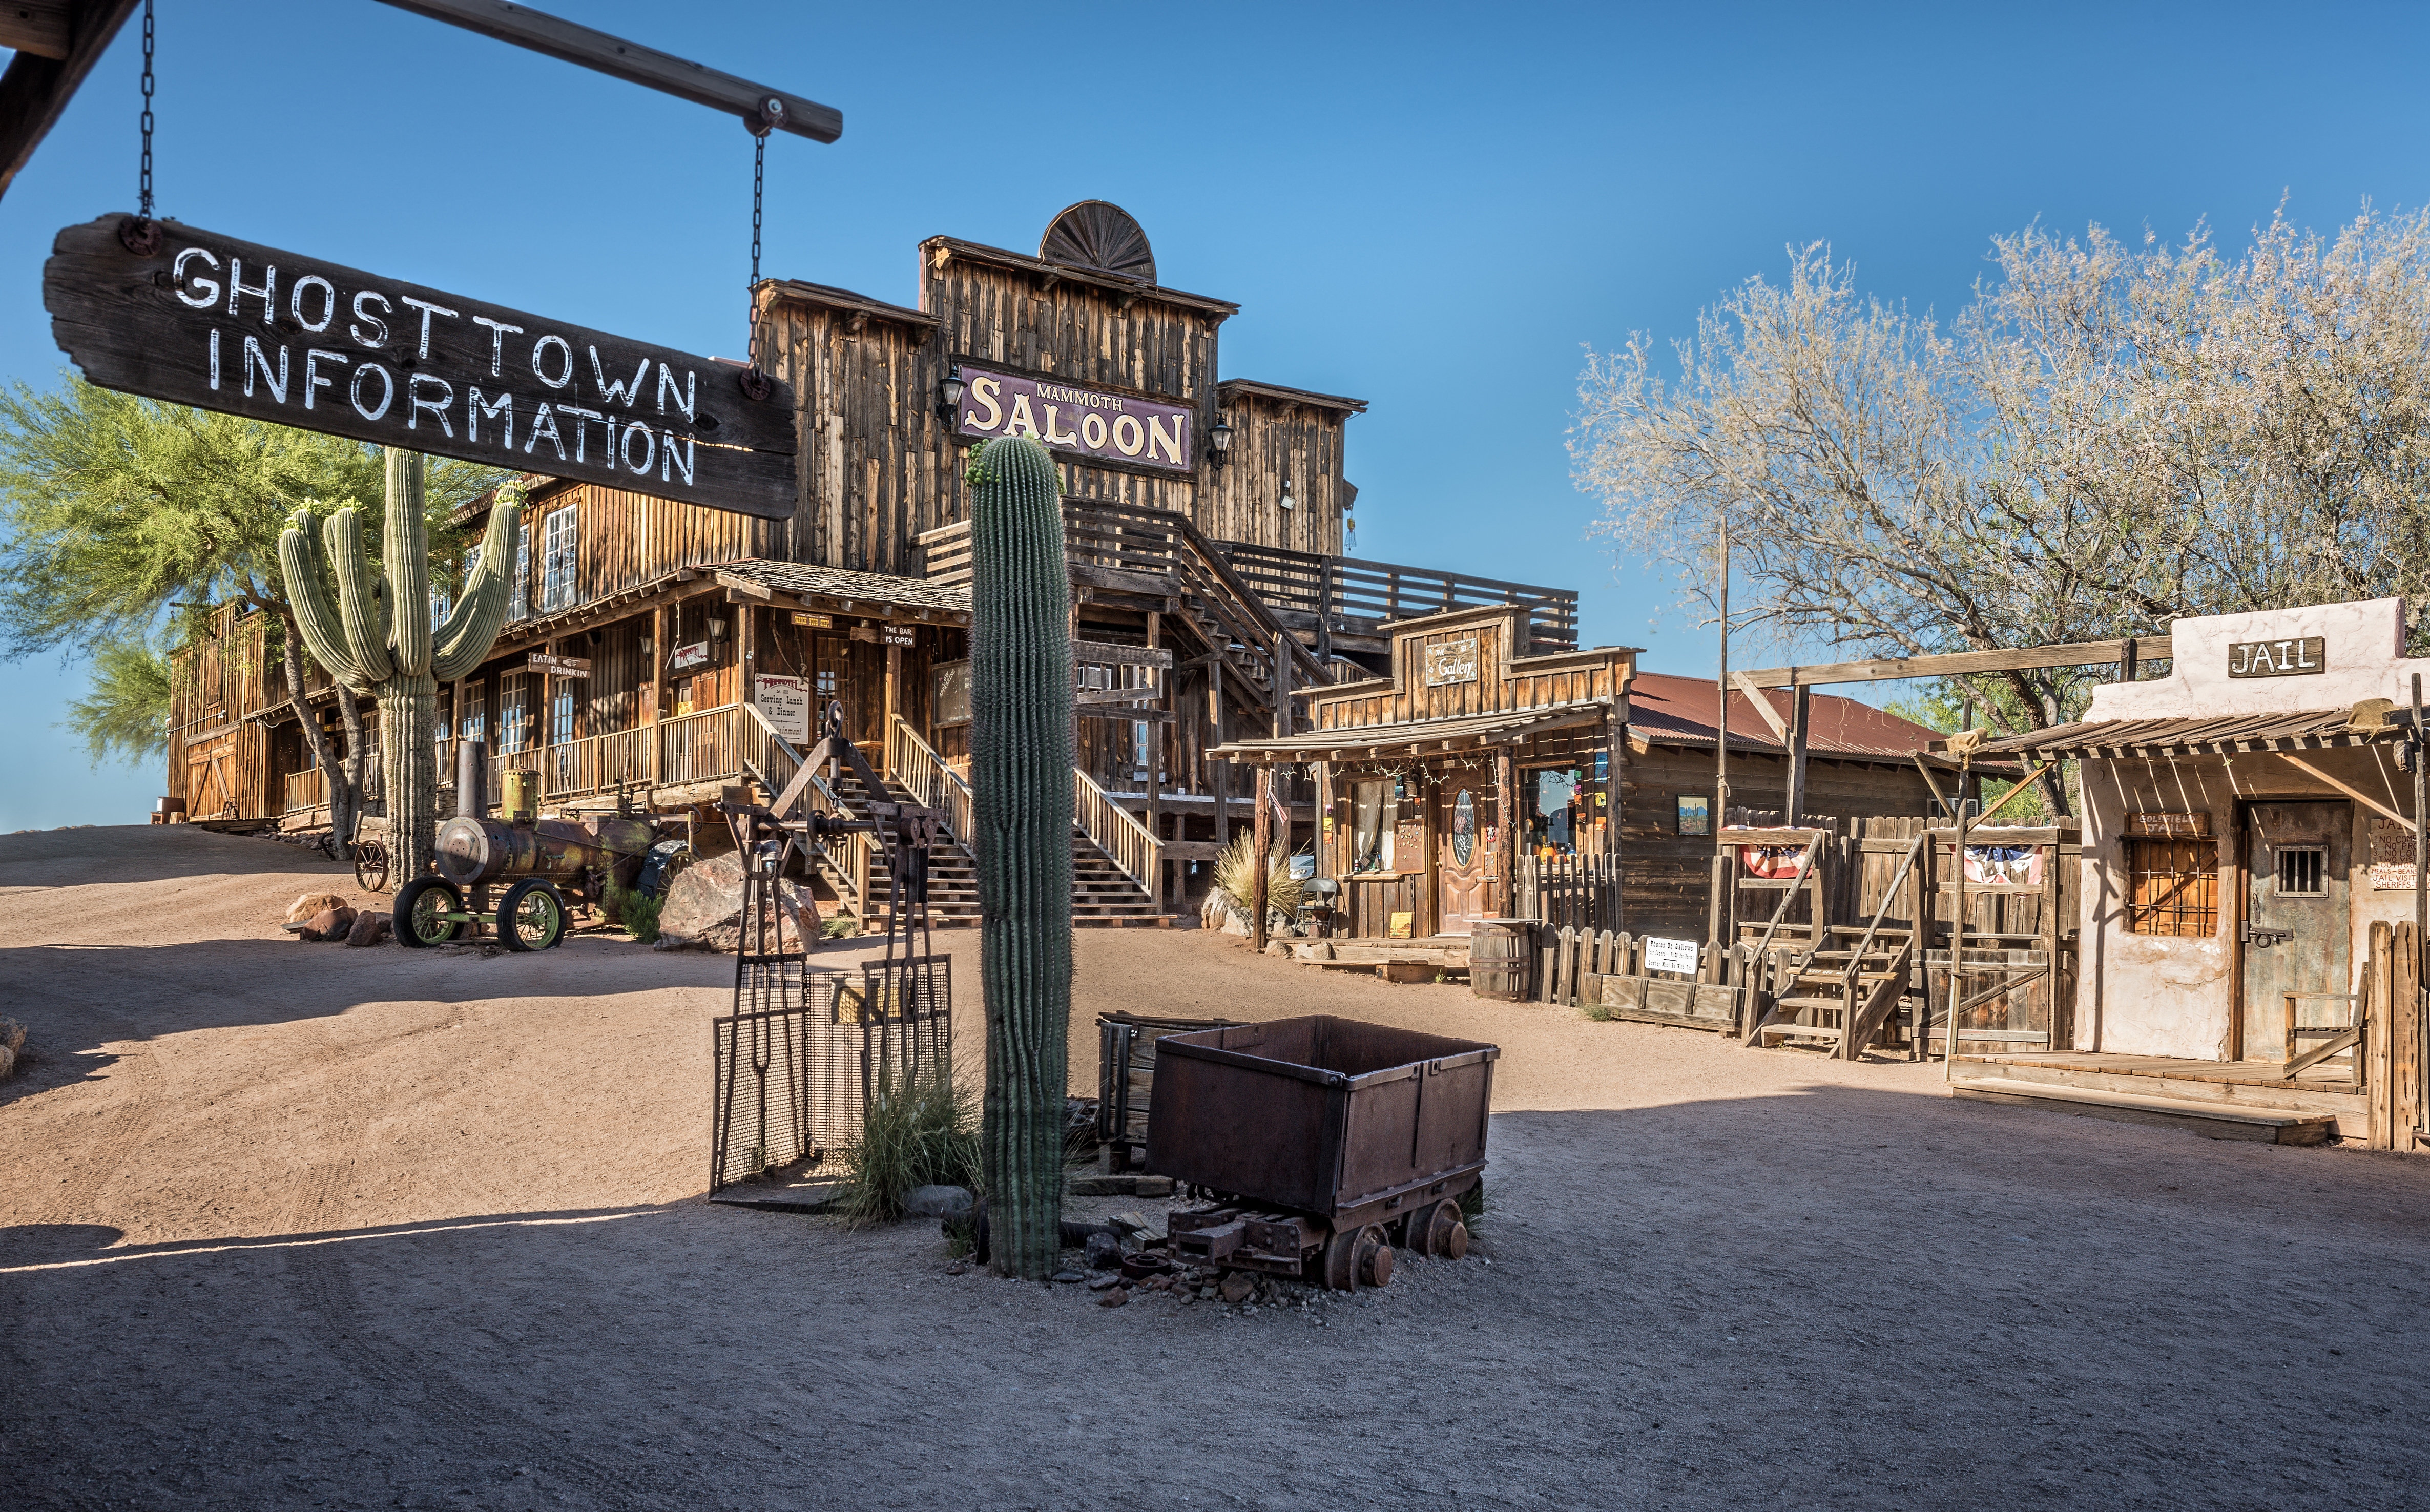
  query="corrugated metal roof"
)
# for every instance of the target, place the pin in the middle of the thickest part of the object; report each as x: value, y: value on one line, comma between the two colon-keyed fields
x: 2304, y: 729
x: 1671, y: 710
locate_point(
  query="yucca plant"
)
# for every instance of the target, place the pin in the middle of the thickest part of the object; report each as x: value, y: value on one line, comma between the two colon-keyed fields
x: 1236, y: 872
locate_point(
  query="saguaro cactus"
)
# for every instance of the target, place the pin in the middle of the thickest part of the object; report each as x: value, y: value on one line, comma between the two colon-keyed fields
x: 1021, y: 781
x: 378, y: 637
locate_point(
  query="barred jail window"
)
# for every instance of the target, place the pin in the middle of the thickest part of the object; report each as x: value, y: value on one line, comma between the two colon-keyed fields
x: 2172, y: 887
x: 2302, y: 871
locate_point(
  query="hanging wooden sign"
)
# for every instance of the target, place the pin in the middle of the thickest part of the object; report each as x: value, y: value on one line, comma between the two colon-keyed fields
x: 202, y: 318
x: 2299, y: 657
x: 1102, y: 425
x: 557, y: 666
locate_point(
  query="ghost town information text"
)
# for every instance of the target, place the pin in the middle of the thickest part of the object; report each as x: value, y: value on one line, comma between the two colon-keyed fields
x: 225, y: 325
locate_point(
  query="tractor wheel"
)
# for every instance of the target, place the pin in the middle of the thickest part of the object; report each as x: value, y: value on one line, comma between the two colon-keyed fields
x: 532, y: 917
x: 420, y: 915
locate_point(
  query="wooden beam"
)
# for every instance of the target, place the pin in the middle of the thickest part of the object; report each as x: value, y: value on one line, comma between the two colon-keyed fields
x: 2356, y: 793
x: 1142, y: 713
x: 1890, y: 669
x: 1762, y: 705
x: 572, y: 43
x: 1105, y: 654
x: 45, y: 29
x: 36, y: 87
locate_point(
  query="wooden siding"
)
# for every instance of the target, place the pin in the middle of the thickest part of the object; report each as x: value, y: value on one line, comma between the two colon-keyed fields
x: 1504, y: 683
x: 1274, y: 439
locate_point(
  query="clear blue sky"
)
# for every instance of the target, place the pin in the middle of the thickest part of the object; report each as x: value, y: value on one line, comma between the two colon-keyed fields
x: 1431, y: 208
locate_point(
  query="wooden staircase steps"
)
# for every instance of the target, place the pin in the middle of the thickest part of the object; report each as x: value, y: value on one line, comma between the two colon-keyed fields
x: 2211, y: 1119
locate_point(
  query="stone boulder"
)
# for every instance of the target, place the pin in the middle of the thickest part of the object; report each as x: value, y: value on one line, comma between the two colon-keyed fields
x: 704, y: 910
x: 304, y: 908
x: 937, y: 1202
x: 13, y: 1045
x: 370, y: 929
x: 329, y: 923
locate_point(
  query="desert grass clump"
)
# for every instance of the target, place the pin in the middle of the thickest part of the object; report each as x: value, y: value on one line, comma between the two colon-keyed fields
x: 917, y: 1131
x: 1236, y: 872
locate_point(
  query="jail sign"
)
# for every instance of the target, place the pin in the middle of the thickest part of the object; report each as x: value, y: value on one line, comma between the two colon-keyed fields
x: 201, y: 319
x: 2295, y: 658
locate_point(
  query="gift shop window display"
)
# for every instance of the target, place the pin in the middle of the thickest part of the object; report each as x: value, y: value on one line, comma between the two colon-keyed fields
x: 1556, y: 803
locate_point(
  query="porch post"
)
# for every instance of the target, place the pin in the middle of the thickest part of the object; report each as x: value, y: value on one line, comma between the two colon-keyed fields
x: 893, y: 708
x: 1261, y: 827
x: 1155, y: 754
x: 1615, y: 796
x: 1505, y: 809
x: 660, y: 651
x: 1219, y: 773
x: 1800, y: 706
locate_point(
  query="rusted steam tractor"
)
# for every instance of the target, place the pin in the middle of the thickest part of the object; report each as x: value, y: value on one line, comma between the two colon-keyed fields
x: 1326, y: 1144
x: 532, y: 865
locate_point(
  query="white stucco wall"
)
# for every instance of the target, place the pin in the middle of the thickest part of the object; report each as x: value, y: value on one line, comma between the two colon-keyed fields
x: 2365, y: 658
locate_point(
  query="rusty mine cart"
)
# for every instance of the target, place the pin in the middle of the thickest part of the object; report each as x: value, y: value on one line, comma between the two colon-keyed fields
x: 1326, y: 1143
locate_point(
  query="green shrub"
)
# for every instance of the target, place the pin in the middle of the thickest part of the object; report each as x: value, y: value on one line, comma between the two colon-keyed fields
x: 637, y: 911
x: 916, y: 1132
x: 838, y: 928
x: 1235, y: 873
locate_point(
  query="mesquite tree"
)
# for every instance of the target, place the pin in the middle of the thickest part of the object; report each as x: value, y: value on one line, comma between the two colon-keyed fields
x: 377, y: 637
x: 1020, y: 782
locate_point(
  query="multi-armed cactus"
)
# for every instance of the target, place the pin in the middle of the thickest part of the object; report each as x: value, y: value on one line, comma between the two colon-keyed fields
x: 1021, y: 781
x: 378, y: 637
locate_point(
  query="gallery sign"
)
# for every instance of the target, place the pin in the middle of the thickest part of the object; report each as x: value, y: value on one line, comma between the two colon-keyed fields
x: 201, y: 319
x: 1110, y: 427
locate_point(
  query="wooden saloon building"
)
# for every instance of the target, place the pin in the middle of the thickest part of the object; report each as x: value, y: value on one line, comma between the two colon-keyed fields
x: 665, y: 651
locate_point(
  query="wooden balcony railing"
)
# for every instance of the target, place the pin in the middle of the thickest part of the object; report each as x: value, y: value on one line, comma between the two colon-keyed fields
x: 1347, y: 593
x: 1131, y: 844
x: 306, y: 789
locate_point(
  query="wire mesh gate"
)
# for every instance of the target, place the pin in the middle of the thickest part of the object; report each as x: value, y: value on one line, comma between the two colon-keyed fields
x: 798, y: 1060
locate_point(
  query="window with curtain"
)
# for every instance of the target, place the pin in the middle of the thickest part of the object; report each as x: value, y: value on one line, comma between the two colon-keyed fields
x: 514, y: 711
x: 1371, y: 827
x: 519, y: 596
x: 557, y: 588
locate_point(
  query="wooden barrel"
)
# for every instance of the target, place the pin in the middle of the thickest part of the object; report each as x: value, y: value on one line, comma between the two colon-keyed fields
x: 1502, y: 959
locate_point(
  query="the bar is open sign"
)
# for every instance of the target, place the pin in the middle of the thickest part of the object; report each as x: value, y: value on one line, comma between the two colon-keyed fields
x: 202, y: 318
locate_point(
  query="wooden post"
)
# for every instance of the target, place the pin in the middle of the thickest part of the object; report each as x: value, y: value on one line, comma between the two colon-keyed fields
x: 1261, y: 827
x: 1324, y: 615
x: 1956, y: 931
x: 1219, y: 773
x: 660, y: 651
x: 891, y: 709
x: 1281, y: 685
x: 1505, y: 813
x: 1157, y: 732
x: 1800, y: 706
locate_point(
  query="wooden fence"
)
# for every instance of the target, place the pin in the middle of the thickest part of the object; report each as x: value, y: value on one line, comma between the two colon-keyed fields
x: 1604, y: 973
x: 1580, y: 892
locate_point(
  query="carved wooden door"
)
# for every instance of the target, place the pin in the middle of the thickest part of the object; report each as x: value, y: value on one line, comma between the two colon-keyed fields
x: 1463, y: 890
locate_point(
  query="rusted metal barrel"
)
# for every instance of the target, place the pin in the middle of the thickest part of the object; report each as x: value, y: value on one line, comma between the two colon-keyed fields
x: 1502, y: 959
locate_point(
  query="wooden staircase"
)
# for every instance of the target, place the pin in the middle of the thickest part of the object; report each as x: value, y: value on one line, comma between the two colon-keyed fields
x: 1102, y: 896
x: 1838, y: 1000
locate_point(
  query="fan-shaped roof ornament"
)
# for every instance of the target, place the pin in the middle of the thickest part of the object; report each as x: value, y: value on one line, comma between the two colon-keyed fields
x: 1096, y: 234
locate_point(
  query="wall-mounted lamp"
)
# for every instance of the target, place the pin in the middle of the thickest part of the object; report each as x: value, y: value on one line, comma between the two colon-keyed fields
x: 1219, y: 440
x: 1287, y: 498
x: 949, y: 393
x: 717, y: 629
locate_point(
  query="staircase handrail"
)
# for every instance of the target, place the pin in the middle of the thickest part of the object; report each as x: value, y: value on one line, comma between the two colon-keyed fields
x: 858, y: 848
x: 1132, y: 846
x: 932, y: 784
x: 1857, y: 960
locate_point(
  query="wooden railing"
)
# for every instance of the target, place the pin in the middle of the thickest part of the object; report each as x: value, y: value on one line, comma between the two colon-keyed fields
x: 306, y: 789
x: 912, y: 762
x: 1132, y: 845
x: 1353, y: 594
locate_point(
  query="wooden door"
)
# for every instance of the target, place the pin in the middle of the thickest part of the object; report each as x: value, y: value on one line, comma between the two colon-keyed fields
x: 2295, y: 937
x: 1463, y: 812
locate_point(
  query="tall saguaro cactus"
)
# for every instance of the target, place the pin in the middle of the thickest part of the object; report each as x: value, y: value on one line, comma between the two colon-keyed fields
x: 1021, y: 781
x: 379, y: 638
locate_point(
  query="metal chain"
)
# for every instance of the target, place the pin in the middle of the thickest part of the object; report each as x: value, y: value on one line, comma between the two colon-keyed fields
x: 758, y: 196
x: 143, y: 183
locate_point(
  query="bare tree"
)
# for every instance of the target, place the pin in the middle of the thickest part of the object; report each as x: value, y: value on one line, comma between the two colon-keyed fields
x: 2105, y: 439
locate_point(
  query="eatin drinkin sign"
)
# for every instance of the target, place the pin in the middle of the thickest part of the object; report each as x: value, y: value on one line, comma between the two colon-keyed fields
x: 1110, y: 427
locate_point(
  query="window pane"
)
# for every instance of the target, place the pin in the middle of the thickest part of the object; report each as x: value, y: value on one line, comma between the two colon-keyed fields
x: 2172, y: 887
x: 1367, y: 827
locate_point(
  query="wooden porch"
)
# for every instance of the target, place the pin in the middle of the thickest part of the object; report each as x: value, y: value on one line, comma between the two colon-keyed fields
x: 2252, y: 1100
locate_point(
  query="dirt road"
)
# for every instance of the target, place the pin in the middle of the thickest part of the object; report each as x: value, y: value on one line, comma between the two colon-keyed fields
x: 288, y: 1225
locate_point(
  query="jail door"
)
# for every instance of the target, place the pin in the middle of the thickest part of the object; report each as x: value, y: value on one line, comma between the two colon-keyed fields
x: 2296, y: 937
x: 1463, y: 812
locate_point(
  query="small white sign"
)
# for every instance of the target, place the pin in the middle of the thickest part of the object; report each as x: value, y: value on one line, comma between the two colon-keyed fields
x: 694, y: 655
x: 786, y: 701
x: 1670, y: 955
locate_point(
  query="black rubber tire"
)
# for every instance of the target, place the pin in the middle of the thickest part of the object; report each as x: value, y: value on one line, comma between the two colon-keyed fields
x: 531, y: 916
x: 409, y: 901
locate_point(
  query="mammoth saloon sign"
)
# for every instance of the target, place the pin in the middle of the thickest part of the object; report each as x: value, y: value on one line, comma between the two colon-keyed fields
x: 1103, y: 426
x: 201, y: 319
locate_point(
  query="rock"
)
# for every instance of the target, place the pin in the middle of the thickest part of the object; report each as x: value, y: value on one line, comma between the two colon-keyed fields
x: 329, y: 923
x: 1151, y: 1186
x: 1280, y: 948
x: 958, y: 1268
x: 1067, y: 1276
x: 1103, y: 1282
x: 7, y: 1061
x: 703, y: 909
x: 1235, y: 924
x: 304, y: 908
x: 370, y: 928
x: 1235, y: 1286
x: 12, y: 1036
x: 1115, y: 1298
x: 937, y: 1202
x: 1105, y: 1252
x: 1314, y: 950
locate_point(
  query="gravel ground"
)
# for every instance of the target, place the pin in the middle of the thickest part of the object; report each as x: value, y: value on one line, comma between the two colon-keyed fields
x: 288, y: 1225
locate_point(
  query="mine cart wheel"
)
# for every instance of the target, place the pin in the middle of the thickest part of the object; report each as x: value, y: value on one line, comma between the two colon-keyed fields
x: 1340, y: 1260
x: 1375, y: 1257
x: 371, y: 866
x: 1440, y: 1232
x: 532, y: 917
x: 422, y: 907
